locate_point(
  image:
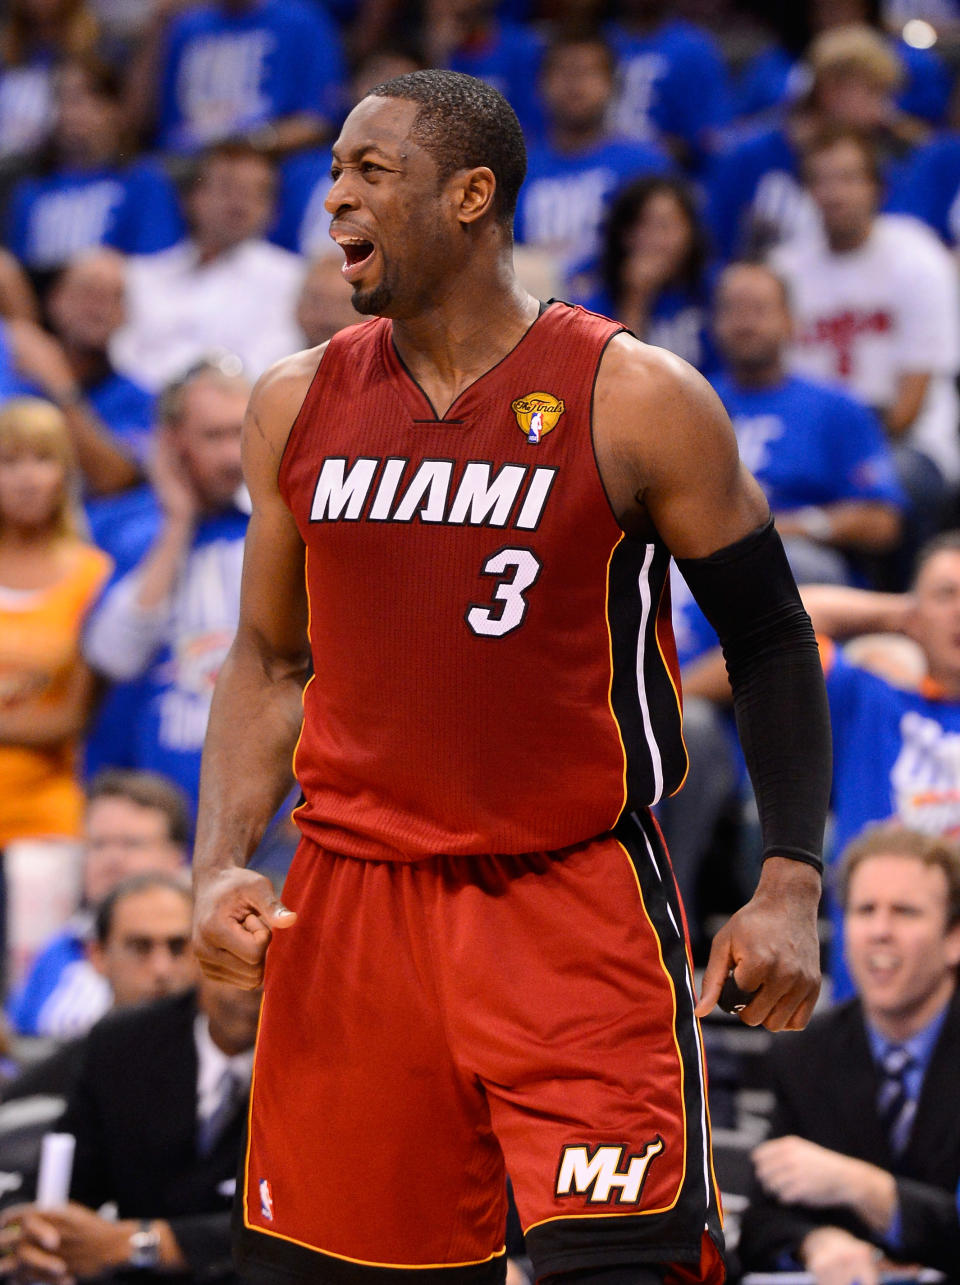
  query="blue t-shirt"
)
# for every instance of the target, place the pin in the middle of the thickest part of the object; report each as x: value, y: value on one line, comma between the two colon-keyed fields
x: 51, y: 219
x: 302, y: 224
x: 566, y: 195
x: 679, y: 322
x: 930, y: 187
x: 158, y: 721
x: 896, y: 754
x: 127, y: 410
x: 226, y: 72
x: 809, y: 443
x: 773, y: 77
x: 67, y: 949
x: 673, y: 83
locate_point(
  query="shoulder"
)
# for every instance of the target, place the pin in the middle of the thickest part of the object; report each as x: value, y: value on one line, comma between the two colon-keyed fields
x: 270, y: 261
x: 902, y: 234
x: 275, y: 403
x: 640, y: 377
x: 683, y: 38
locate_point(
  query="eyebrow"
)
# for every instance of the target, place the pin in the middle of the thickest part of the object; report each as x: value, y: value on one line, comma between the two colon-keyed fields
x: 361, y: 149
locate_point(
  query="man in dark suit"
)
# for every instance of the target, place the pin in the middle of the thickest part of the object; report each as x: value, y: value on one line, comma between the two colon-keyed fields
x: 863, y: 1161
x: 157, y: 1111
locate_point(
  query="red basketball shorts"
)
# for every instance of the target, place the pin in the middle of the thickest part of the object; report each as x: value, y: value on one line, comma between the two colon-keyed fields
x: 429, y: 1028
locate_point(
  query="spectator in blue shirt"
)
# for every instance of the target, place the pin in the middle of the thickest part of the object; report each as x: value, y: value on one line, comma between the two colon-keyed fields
x: 821, y: 457
x: 862, y: 1167
x: 166, y: 620
x: 573, y: 176
x: 653, y: 269
x: 86, y: 307
x: 90, y: 196
x: 271, y: 70
x: 756, y: 196
x: 673, y: 83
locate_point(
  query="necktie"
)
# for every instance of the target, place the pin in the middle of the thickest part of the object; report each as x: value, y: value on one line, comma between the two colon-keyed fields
x: 895, y: 1106
x: 230, y: 1090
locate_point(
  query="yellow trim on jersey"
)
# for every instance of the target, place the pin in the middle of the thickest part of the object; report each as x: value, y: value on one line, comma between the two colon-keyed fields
x: 616, y: 721
x: 676, y: 694
x: 306, y: 686
x: 365, y: 1262
x: 663, y: 1209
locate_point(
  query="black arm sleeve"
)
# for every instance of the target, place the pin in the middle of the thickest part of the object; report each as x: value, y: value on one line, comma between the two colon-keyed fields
x: 748, y: 593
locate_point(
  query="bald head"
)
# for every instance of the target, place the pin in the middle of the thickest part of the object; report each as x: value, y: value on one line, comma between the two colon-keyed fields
x: 324, y: 306
x: 751, y: 320
x: 87, y: 303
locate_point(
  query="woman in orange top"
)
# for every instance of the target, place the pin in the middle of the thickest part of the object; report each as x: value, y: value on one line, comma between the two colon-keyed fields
x: 49, y: 578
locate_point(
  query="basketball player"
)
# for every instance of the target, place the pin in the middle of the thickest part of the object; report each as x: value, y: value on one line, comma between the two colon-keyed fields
x: 482, y: 965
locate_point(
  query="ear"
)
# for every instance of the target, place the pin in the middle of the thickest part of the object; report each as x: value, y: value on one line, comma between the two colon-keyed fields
x: 474, y: 193
x: 953, y: 945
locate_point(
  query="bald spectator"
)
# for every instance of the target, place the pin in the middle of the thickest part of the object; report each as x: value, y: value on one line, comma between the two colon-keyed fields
x: 135, y: 823
x: 324, y: 305
x: 819, y: 455
x: 166, y: 620
x: 224, y: 286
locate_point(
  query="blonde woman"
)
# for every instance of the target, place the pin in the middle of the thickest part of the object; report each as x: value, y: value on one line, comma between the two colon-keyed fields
x: 49, y: 577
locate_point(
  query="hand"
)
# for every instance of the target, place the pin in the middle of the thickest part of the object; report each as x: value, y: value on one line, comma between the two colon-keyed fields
x: 235, y: 914
x: 772, y: 947
x: 60, y: 1244
x: 834, y: 1257
x: 171, y: 482
x: 799, y: 1172
x: 39, y: 358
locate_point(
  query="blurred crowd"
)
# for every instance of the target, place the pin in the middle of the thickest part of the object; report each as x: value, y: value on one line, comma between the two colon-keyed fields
x: 772, y: 193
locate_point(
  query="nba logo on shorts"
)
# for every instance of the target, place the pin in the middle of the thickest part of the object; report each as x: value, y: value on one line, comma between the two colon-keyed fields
x: 266, y: 1200
x: 536, y: 427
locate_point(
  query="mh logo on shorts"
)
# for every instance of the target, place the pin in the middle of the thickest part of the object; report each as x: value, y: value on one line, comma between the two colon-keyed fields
x: 595, y: 1176
x: 266, y: 1200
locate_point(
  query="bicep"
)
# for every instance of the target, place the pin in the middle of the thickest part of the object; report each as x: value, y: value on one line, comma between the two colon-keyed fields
x: 668, y: 452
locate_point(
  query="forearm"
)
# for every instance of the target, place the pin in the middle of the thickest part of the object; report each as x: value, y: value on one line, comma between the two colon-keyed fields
x: 255, y: 720
x: 749, y: 596
x: 105, y: 466
x: 869, y: 526
x: 160, y: 570
x: 872, y: 1195
x: 911, y: 393
x: 842, y: 612
x: 291, y: 133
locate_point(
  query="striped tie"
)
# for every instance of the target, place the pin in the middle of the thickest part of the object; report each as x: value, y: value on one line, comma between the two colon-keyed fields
x: 895, y: 1107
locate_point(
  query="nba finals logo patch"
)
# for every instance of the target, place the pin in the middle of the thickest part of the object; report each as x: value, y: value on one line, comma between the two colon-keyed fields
x: 537, y: 414
x: 266, y: 1200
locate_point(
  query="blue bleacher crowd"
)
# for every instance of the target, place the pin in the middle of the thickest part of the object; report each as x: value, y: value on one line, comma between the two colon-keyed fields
x: 770, y: 192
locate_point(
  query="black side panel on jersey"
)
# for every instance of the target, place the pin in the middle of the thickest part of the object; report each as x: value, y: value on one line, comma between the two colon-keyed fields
x: 645, y: 694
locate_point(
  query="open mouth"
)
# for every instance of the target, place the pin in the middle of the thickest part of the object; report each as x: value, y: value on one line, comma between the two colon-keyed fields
x: 357, y: 253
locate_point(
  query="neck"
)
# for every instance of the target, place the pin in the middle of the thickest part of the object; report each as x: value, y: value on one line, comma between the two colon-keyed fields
x: 843, y: 240
x: 757, y: 376
x: 576, y: 137
x: 453, y: 342
x: 210, y: 248
x: 898, y: 1027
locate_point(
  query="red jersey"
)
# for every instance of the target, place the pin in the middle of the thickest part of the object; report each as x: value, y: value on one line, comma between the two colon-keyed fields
x: 494, y: 662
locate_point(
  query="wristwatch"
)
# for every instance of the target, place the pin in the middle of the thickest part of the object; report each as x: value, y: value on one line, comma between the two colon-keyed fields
x: 144, y: 1246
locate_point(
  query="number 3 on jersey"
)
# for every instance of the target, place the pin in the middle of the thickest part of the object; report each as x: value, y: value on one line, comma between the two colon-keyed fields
x: 509, y: 606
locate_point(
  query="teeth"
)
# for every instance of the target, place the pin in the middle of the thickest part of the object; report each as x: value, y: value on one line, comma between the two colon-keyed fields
x: 883, y: 961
